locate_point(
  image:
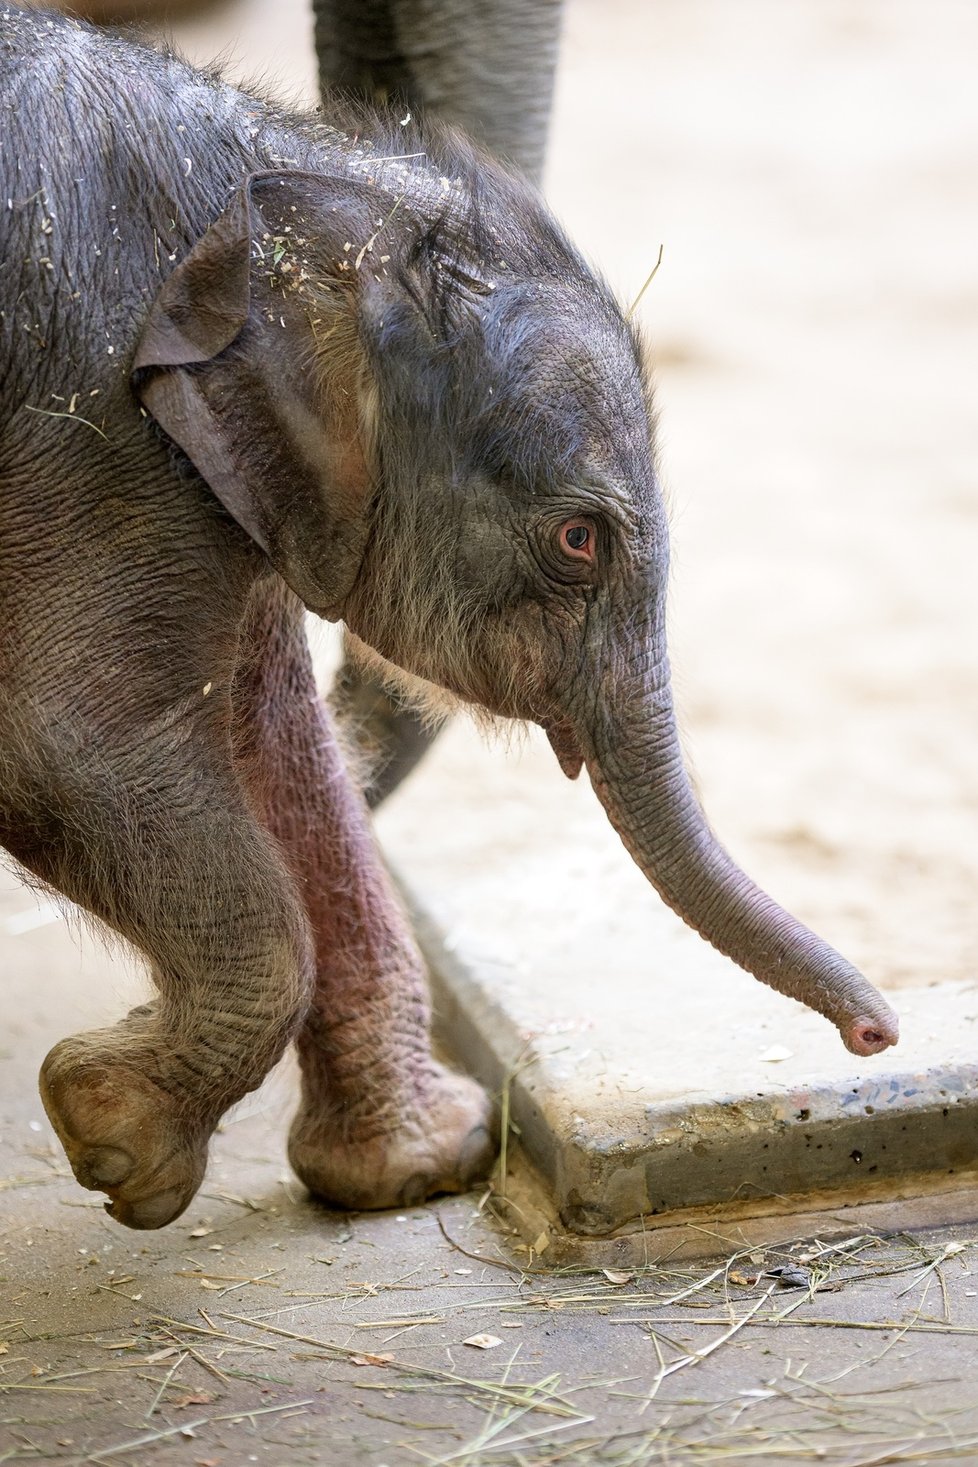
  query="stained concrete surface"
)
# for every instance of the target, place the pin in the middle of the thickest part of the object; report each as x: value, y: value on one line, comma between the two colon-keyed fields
x: 810, y: 170
x: 623, y: 1132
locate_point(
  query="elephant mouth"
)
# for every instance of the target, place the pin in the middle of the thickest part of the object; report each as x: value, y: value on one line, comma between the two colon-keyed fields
x: 564, y: 742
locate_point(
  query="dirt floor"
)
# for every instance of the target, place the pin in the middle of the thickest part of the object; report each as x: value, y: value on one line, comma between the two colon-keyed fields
x: 261, y: 1328
x: 810, y: 170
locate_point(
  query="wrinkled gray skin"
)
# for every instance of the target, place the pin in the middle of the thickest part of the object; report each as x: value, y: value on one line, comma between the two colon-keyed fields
x: 487, y: 67
x: 248, y: 366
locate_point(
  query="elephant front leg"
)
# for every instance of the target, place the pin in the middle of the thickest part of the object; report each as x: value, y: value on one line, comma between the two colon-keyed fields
x: 129, y: 1124
x: 390, y: 738
x: 155, y: 838
x: 381, y: 1123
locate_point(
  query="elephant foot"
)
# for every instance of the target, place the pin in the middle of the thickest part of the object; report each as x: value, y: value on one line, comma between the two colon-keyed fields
x: 443, y: 1143
x: 123, y: 1134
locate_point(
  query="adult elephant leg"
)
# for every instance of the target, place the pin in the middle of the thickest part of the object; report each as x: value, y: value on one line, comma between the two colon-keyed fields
x: 381, y: 1123
x: 488, y: 67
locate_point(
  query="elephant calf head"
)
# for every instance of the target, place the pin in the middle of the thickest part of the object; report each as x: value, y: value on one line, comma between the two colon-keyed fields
x: 428, y: 412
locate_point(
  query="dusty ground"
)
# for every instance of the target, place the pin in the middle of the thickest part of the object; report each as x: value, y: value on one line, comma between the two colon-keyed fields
x: 810, y: 170
x: 262, y: 1328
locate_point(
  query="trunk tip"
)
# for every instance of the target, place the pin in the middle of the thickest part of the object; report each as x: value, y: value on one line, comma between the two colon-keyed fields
x: 871, y: 1036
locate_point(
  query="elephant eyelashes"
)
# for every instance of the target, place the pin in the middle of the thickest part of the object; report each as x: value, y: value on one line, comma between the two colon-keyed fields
x: 577, y: 540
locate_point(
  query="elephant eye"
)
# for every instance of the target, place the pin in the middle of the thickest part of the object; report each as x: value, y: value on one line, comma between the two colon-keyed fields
x: 577, y: 540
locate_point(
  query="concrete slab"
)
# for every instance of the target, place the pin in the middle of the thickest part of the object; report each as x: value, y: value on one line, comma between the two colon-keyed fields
x: 645, y: 1072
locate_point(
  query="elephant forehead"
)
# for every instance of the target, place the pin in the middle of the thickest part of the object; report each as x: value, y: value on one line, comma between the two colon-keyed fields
x: 578, y: 395
x: 551, y: 431
x: 550, y: 335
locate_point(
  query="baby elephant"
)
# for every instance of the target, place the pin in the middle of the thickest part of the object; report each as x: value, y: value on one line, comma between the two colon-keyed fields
x: 253, y: 363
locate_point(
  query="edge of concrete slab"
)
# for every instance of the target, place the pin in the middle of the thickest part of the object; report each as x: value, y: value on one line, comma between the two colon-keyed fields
x: 919, y: 1201
x: 615, y: 1167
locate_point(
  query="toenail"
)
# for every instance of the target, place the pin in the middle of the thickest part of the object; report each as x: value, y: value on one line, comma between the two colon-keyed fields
x: 415, y: 1190
x: 475, y: 1154
x: 151, y: 1212
x: 103, y: 1166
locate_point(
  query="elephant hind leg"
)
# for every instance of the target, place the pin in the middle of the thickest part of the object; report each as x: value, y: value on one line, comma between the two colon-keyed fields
x: 381, y: 1123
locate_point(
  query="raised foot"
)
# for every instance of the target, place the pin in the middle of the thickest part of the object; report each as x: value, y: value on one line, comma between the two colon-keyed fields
x: 123, y: 1134
x: 441, y: 1143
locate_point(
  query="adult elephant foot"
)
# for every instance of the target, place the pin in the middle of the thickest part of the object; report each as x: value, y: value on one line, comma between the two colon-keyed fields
x: 441, y: 1141
x: 124, y: 1133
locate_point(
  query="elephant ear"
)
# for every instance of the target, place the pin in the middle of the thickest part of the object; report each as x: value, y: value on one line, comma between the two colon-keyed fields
x: 230, y: 368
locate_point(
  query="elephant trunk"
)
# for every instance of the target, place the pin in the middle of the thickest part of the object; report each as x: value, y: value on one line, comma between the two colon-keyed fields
x: 637, y: 770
